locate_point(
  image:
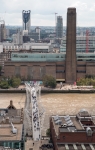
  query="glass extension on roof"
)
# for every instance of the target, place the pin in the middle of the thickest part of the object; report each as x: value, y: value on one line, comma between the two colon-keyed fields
x: 48, y: 57
x: 85, y: 56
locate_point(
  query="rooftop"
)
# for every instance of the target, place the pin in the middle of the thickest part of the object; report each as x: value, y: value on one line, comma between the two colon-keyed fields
x: 11, y: 114
x: 73, y: 123
x: 7, y: 134
x: 11, y: 123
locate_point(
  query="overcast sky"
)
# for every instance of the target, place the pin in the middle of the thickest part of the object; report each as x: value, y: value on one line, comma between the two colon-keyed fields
x: 42, y: 11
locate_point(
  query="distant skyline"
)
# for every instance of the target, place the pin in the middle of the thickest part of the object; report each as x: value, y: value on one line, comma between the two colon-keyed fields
x: 43, y: 11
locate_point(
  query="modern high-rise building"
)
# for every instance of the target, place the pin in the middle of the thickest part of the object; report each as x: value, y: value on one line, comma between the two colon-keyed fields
x: 26, y: 17
x: 2, y: 32
x: 59, y: 27
x: 37, y: 30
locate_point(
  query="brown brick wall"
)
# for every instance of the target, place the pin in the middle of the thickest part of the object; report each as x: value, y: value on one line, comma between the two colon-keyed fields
x: 23, y: 71
x: 71, y: 46
x: 80, y: 75
x: 74, y: 137
x: 36, y: 70
x: 60, y: 75
x: 53, y: 135
x: 70, y: 137
x: 51, y: 70
x: 90, y: 68
x: 30, y: 70
x: 9, y: 71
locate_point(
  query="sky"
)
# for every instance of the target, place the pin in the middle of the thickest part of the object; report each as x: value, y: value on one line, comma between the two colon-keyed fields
x: 43, y: 11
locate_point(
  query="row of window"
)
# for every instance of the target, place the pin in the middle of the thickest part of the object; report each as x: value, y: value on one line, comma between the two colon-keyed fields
x: 26, y: 56
x: 85, y: 56
x: 85, y: 60
x: 81, y: 71
x: 60, y: 71
x: 78, y: 71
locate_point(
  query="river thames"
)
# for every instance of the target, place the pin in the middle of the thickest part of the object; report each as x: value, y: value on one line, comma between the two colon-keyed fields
x: 53, y: 104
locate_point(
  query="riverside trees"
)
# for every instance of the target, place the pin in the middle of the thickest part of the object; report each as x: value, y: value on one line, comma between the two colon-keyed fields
x: 49, y: 81
x: 14, y: 82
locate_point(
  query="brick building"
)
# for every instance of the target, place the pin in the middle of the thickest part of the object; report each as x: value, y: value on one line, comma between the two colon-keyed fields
x: 11, y: 128
x: 68, y: 66
x: 35, y: 66
x: 73, y: 132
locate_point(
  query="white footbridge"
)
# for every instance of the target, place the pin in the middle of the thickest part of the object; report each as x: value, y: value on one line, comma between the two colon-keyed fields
x: 32, y: 111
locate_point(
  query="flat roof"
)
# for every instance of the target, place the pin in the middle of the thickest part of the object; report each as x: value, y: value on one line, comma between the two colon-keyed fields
x: 70, y: 123
x: 12, y: 115
x: 6, y: 132
x: 76, y: 125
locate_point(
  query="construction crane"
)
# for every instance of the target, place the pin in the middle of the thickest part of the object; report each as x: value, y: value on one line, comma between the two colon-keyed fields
x: 87, y: 41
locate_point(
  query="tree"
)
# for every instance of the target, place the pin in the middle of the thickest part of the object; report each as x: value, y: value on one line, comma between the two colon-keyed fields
x: 48, y: 132
x: 4, y: 84
x: 0, y: 70
x: 86, y: 81
x: 49, y: 81
x: 15, y: 82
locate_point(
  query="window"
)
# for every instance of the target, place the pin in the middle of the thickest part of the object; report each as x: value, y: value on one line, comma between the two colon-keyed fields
x: 63, y: 137
x: 60, y: 71
x: 81, y: 71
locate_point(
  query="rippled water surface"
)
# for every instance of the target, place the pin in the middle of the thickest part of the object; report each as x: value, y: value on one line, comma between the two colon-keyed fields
x: 54, y: 104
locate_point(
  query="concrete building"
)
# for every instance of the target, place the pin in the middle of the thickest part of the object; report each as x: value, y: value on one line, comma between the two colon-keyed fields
x: 59, y: 27
x: 26, y: 17
x: 2, y: 32
x: 7, y: 33
x: 18, y: 38
x: 29, y: 47
x: 70, y: 132
x: 37, y: 30
x: 7, y: 48
x: 11, y: 128
x: 71, y: 46
x: 81, y: 44
x: 34, y: 36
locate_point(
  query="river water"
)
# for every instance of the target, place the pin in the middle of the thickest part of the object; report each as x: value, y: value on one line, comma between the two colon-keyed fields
x: 54, y: 104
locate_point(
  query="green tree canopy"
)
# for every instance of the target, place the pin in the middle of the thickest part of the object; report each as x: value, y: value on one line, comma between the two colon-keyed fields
x: 15, y: 82
x: 4, y: 84
x: 48, y: 132
x: 49, y: 81
x: 0, y: 70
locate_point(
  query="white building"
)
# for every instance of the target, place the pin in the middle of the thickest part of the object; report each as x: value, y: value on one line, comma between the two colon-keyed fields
x: 34, y: 47
x: 83, y: 44
x: 18, y: 38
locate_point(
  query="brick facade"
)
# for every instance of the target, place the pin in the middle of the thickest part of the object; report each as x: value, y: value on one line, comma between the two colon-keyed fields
x: 71, y: 46
x: 32, y: 70
x: 36, y: 70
